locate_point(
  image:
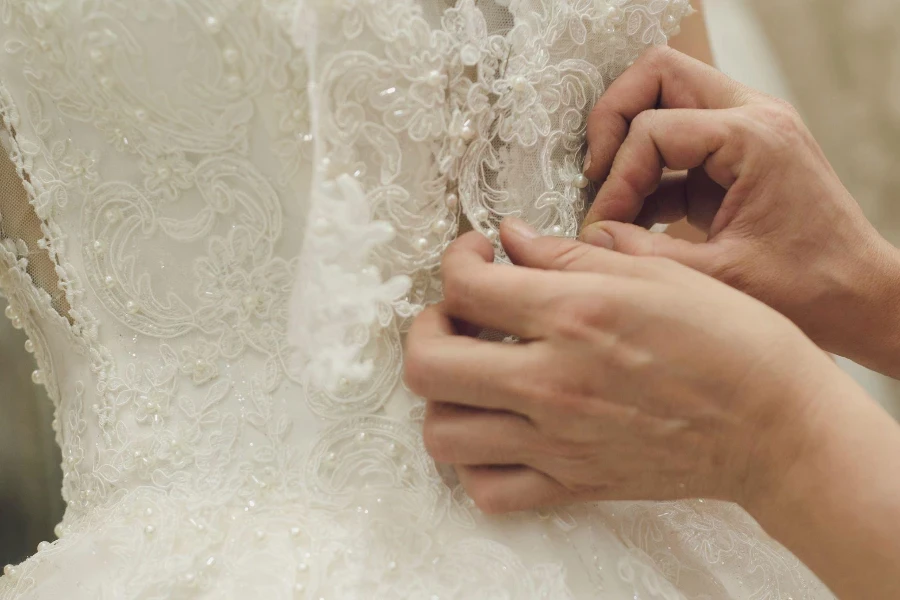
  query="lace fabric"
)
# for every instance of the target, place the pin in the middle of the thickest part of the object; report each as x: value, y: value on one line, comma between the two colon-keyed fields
x: 245, y: 203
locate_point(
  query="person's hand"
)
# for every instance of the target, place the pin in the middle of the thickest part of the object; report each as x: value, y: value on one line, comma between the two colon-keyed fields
x: 745, y: 169
x: 636, y: 378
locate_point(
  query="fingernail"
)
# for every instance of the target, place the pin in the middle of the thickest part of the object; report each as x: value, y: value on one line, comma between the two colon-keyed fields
x: 587, y: 161
x: 521, y: 228
x: 595, y: 235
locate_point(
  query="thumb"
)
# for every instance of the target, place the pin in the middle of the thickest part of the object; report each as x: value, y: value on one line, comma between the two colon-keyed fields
x: 637, y: 241
x: 527, y: 248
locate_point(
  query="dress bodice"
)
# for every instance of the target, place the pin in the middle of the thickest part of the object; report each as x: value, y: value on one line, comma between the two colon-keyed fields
x: 245, y: 202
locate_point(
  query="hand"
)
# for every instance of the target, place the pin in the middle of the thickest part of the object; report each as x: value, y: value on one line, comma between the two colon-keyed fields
x: 781, y: 226
x: 637, y: 378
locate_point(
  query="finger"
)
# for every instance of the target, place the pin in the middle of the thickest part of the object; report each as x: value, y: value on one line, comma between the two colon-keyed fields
x: 690, y: 194
x: 499, y: 490
x: 462, y: 370
x: 636, y: 241
x: 462, y: 435
x: 561, y: 254
x: 661, y: 78
x: 658, y: 139
x: 495, y: 296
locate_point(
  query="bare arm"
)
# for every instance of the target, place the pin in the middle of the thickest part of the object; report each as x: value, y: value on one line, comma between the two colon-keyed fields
x: 694, y: 38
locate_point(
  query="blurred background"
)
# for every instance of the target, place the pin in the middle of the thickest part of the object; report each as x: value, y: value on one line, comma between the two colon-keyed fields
x: 837, y: 61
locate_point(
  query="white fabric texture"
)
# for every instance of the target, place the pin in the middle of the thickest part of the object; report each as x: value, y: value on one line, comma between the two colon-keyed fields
x: 245, y: 202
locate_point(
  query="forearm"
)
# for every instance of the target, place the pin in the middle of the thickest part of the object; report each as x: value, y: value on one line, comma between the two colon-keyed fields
x: 869, y: 321
x: 693, y: 39
x: 838, y: 507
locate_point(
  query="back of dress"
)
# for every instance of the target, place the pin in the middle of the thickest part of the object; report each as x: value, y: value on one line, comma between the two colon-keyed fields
x: 236, y: 207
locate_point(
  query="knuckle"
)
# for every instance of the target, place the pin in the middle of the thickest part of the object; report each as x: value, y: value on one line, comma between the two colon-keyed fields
x: 575, y: 318
x: 568, y: 254
x: 417, y: 367
x: 643, y: 123
x: 659, y: 56
x: 779, y: 125
x: 436, y: 442
x: 487, y: 499
x: 455, y: 288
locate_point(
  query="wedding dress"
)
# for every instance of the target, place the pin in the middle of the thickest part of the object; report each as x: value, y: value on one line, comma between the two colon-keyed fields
x: 236, y: 207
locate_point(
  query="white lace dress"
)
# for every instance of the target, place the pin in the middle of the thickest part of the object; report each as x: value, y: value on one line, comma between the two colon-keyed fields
x: 244, y: 203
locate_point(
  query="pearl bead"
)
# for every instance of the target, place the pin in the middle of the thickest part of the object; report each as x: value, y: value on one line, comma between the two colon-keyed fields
x: 480, y: 215
x: 16, y: 323
x: 141, y: 114
x: 213, y: 25
x: 190, y: 578
x: 10, y: 313
x: 299, y: 587
x: 132, y: 307
x: 149, y: 512
x: 149, y: 529
x: 260, y: 534
x: 391, y: 566
x: 233, y: 82
x: 109, y: 281
x: 97, y: 55
x: 556, y: 230
x: 295, y: 531
x: 404, y: 469
x: 321, y: 226
x: 361, y: 436
x: 58, y: 530
x: 371, y: 272
x: 467, y: 133
x: 440, y: 226
x: 392, y: 449
x: 43, y: 546
x: 10, y: 571
x: 106, y: 81
x: 37, y: 376
x: 452, y: 201
x: 302, y: 567
x: 29, y: 346
x: 98, y: 246
x: 330, y: 457
x: 230, y: 55
x: 251, y: 302
x: 164, y: 172
x: 520, y: 84
x: 580, y: 181
x: 492, y: 235
x: 422, y: 244
x: 434, y: 77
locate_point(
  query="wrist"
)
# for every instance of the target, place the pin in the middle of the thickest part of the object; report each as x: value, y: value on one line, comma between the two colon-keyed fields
x: 834, y: 501
x: 871, y: 320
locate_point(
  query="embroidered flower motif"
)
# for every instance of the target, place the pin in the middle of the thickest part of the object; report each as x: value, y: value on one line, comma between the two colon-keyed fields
x: 199, y: 362
x: 80, y: 167
x: 528, y: 94
x: 167, y: 174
